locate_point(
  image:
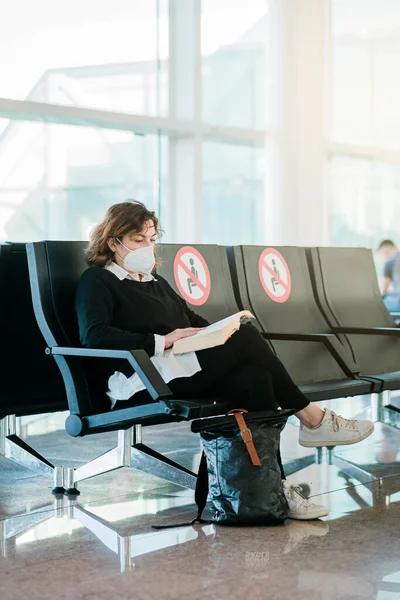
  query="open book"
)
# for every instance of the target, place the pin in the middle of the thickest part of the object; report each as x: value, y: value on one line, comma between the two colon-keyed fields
x: 213, y: 335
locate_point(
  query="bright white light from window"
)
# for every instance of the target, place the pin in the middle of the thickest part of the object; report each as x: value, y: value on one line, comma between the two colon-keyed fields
x: 236, y: 20
x: 92, y: 32
x: 53, y: 527
x: 392, y: 578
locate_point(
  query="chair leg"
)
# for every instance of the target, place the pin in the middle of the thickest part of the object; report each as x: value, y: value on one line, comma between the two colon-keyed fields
x: 149, y: 461
x: 109, y: 461
x: 298, y: 464
x: 16, y: 449
x: 382, y: 410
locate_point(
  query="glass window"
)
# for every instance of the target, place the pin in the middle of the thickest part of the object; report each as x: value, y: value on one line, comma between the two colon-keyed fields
x: 364, y: 201
x: 365, y: 57
x: 95, y: 53
x: 234, y: 36
x: 233, y: 194
x: 56, y: 181
x: 3, y: 124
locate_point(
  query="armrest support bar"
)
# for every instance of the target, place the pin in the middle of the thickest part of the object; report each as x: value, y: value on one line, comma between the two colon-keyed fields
x: 393, y: 331
x: 138, y: 359
x: 299, y: 337
x: 331, y: 343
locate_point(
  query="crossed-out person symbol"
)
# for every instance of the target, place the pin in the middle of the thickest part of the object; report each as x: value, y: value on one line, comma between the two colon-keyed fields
x: 191, y: 284
x: 274, y: 281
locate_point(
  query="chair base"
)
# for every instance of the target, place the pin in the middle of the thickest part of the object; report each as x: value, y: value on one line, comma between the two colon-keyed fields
x: 16, y: 449
x: 327, y: 456
x: 383, y: 411
x: 132, y: 453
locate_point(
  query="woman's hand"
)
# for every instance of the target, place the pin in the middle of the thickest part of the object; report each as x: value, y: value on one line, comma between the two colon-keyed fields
x: 178, y: 334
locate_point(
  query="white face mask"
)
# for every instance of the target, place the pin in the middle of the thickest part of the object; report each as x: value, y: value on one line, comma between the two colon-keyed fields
x: 140, y: 261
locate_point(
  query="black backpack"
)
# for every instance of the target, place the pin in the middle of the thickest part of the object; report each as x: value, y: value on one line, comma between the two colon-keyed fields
x: 239, y: 468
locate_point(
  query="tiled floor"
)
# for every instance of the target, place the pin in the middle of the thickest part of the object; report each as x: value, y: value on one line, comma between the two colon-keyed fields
x: 102, y: 545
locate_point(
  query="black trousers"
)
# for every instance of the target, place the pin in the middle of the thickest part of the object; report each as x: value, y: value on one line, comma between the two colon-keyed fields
x: 245, y: 370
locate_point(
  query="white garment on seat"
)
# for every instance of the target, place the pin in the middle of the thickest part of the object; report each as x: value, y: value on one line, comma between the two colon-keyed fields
x: 169, y: 365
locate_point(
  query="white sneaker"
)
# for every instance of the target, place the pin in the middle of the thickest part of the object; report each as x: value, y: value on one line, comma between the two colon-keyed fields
x: 300, y: 508
x: 334, y: 430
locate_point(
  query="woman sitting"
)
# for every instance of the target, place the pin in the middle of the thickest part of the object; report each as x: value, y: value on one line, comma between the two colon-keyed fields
x: 122, y: 305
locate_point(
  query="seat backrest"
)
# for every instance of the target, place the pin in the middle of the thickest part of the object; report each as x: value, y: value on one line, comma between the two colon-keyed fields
x: 274, y: 283
x: 200, y: 274
x: 30, y: 380
x: 59, y: 266
x: 347, y: 288
x: 55, y: 269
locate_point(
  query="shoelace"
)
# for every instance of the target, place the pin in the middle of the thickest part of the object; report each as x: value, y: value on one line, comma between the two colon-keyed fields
x: 339, y: 421
x: 295, y: 492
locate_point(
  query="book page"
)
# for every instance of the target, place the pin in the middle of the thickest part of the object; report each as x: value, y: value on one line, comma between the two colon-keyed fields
x: 219, y: 325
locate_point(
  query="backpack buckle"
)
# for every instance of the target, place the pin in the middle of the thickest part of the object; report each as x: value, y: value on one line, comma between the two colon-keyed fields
x: 246, y: 434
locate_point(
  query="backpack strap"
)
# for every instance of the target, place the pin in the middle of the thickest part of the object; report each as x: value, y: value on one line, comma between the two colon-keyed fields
x: 200, y: 497
x: 246, y: 434
x: 201, y: 491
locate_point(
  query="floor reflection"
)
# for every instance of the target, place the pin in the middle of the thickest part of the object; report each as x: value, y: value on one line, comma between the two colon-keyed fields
x: 68, y: 517
x: 78, y: 549
x: 351, y: 554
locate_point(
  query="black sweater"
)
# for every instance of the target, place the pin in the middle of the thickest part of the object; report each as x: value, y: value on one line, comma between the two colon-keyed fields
x: 125, y: 314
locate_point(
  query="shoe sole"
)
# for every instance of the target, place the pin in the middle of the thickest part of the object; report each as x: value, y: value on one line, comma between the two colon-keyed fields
x: 331, y: 445
x: 306, y: 517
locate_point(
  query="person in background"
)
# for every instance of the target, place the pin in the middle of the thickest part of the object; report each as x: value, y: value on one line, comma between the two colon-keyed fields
x: 389, y: 283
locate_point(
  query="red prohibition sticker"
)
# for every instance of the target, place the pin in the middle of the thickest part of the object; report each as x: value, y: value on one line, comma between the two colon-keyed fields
x: 274, y: 275
x: 192, y: 276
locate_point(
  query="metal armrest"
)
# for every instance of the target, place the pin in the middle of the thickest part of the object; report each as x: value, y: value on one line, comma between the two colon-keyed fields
x: 394, y: 331
x: 331, y: 343
x: 138, y: 359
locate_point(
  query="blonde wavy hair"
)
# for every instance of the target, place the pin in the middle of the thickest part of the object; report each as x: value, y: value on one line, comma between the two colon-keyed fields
x: 125, y: 218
